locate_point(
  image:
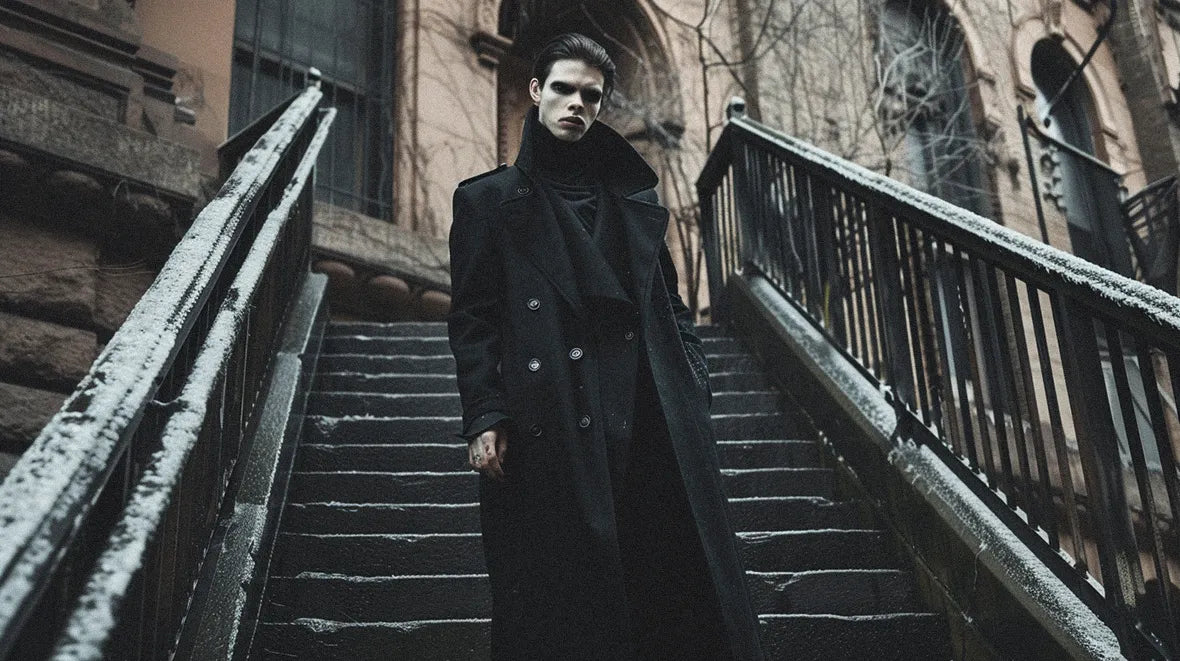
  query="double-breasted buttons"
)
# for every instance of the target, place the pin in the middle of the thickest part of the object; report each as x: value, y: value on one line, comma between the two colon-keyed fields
x: 629, y: 335
x: 534, y: 365
x: 535, y: 430
x: 534, y: 304
x: 584, y: 422
x: 576, y: 353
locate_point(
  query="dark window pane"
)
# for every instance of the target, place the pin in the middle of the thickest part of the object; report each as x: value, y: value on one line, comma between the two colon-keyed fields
x: 350, y: 42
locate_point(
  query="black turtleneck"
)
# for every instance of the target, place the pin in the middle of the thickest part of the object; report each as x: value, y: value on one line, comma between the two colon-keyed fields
x: 566, y: 168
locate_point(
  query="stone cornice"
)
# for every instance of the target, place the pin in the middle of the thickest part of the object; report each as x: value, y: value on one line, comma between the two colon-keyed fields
x: 381, y: 246
x: 81, y: 140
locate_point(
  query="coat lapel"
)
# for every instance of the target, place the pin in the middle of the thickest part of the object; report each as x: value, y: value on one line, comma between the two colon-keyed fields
x: 531, y: 221
x: 644, y: 227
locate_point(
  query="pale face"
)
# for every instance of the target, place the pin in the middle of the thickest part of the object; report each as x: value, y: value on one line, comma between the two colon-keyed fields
x: 569, y: 101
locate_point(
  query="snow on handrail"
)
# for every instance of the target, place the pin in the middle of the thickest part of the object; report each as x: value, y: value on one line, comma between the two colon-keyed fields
x: 92, y: 622
x: 1090, y: 284
x: 45, y: 497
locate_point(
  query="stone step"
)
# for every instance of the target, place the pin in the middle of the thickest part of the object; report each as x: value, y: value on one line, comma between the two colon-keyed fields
x: 401, y: 457
x: 746, y: 514
x: 439, y: 328
x: 392, y: 383
x: 462, y: 486
x: 447, y: 404
x: 768, y: 454
x: 805, y: 550
x: 732, y: 381
x: 378, y: 487
x: 445, y: 364
x: 437, y: 597
x: 833, y: 591
x: 341, y: 404
x: 385, y: 383
x: 440, y: 345
x: 402, y: 329
x: 441, y: 429
x: 719, y: 345
x: 795, y: 513
x: 713, y: 330
x: 747, y: 482
x: 448, y: 456
x: 378, y: 555
x: 381, y: 518
x: 309, y: 639
x: 367, y: 364
x: 761, y: 426
x: 894, y: 637
x: 383, y: 431
x: 414, y: 345
x: 379, y: 598
x: 891, y: 637
x: 462, y: 553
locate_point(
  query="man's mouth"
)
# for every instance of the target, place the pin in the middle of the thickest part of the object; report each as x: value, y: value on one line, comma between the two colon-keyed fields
x: 571, y: 121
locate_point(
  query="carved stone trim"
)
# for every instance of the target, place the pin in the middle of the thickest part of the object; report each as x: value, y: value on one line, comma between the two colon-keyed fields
x: 81, y: 140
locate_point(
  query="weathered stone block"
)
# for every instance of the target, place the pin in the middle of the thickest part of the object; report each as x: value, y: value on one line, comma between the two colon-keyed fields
x: 23, y: 412
x: 47, y: 274
x: 75, y: 135
x: 7, y: 461
x: 381, y: 246
x: 44, y: 353
x: 117, y: 291
x: 433, y: 305
x: 21, y: 74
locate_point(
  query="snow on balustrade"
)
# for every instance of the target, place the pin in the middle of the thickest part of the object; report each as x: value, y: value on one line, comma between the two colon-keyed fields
x: 1124, y: 292
x: 45, y: 496
x: 93, y: 621
x: 995, y: 543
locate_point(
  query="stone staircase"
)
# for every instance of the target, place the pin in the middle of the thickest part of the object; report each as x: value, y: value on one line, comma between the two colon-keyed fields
x: 379, y: 556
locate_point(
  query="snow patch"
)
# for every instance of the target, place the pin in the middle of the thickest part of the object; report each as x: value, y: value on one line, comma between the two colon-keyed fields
x: 1134, y: 296
x: 94, y: 617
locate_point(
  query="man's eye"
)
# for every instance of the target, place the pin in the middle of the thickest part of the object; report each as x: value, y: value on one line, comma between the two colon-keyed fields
x: 592, y: 96
x: 562, y: 88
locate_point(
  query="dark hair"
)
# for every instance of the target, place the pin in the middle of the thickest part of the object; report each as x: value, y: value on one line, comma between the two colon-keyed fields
x: 574, y: 46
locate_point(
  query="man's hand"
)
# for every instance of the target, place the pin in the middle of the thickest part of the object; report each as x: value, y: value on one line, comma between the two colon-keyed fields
x: 485, y: 453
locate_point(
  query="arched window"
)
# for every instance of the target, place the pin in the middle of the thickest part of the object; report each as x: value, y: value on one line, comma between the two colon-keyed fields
x: 926, y: 90
x: 1088, y: 193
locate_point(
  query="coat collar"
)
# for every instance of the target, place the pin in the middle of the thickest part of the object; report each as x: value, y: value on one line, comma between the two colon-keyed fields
x: 531, y: 218
x: 628, y: 174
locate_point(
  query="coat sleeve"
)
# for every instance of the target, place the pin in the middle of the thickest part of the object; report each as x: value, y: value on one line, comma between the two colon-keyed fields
x: 694, y: 349
x: 473, y: 325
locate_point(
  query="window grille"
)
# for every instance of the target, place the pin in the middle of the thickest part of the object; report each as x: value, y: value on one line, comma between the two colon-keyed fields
x: 351, y: 43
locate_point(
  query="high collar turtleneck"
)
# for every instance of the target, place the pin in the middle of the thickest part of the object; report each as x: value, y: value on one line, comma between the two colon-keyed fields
x: 601, y: 154
x: 561, y: 161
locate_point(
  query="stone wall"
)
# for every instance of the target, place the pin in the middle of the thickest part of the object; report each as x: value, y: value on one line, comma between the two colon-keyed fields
x: 93, y: 195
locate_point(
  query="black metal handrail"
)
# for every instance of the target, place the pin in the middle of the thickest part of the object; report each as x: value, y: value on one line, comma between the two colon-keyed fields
x: 107, y: 517
x: 1036, y: 376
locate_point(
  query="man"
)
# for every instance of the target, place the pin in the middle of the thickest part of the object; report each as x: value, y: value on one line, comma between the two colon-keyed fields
x: 585, y: 397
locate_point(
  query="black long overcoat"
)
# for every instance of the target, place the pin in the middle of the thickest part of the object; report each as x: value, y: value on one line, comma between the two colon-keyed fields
x: 530, y: 350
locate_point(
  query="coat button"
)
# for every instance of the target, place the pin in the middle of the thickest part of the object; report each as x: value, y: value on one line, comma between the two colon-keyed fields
x: 534, y: 365
x: 535, y: 430
x: 522, y: 190
x: 584, y: 422
x: 534, y: 304
x: 575, y: 353
x: 629, y: 335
